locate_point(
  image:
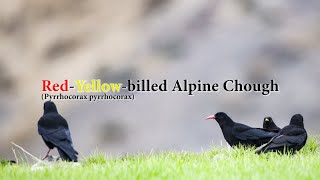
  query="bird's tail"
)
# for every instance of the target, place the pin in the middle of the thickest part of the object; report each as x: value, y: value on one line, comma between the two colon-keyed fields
x: 67, y: 152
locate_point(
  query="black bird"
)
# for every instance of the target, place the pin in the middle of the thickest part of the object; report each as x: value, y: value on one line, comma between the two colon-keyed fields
x: 270, y: 125
x: 55, y: 132
x: 11, y: 162
x: 236, y: 133
x: 290, y: 138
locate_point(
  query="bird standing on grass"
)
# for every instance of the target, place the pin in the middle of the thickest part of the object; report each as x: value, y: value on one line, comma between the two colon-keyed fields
x: 4, y: 162
x: 55, y: 132
x: 236, y: 133
x: 291, y: 138
x: 270, y: 125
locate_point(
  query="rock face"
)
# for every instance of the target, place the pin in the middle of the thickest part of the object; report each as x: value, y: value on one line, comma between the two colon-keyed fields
x: 211, y: 41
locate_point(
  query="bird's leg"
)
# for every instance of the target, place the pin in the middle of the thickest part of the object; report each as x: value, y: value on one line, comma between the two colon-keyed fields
x: 47, y: 154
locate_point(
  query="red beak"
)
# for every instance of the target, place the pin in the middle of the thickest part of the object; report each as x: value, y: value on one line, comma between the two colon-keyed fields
x: 211, y: 117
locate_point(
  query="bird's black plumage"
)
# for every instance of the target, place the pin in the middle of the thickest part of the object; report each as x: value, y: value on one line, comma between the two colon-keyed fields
x: 55, y: 132
x: 236, y: 133
x: 290, y: 138
x: 269, y: 124
x: 4, y: 162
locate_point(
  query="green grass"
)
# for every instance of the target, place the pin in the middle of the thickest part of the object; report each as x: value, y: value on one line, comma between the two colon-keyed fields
x: 217, y: 163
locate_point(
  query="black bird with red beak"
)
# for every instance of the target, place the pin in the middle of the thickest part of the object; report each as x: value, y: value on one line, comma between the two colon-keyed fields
x: 55, y: 132
x: 240, y: 134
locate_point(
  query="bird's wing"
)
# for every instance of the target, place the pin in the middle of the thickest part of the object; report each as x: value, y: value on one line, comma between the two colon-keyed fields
x: 296, y: 137
x: 61, y: 138
x: 286, y: 140
x: 244, y: 132
x: 287, y: 137
x: 55, y: 135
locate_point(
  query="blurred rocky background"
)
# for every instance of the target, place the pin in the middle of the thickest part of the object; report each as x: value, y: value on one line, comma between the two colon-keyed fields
x: 207, y: 40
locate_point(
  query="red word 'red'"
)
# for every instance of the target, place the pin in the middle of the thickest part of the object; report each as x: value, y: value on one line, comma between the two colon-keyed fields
x: 47, y: 85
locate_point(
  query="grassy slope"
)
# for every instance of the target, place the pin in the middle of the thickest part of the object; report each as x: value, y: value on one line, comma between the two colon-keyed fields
x: 220, y: 163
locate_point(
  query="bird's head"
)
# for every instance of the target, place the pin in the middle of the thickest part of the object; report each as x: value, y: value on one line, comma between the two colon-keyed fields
x: 267, y: 120
x: 221, y: 118
x: 297, y: 120
x: 49, y: 106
